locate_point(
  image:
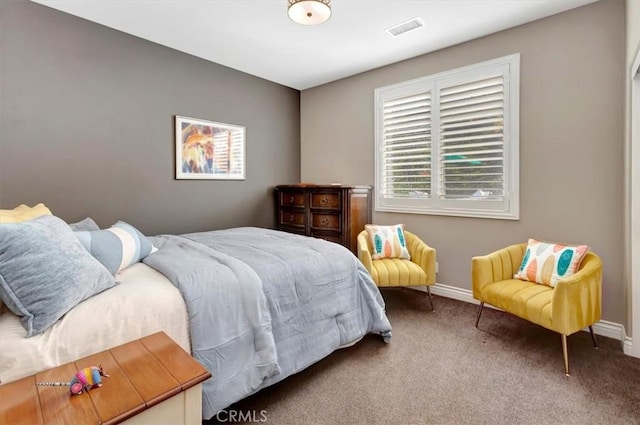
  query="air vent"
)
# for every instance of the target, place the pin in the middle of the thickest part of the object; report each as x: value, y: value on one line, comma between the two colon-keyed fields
x: 405, y: 27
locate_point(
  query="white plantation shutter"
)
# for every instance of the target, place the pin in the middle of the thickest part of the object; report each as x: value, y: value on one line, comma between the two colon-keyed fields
x: 406, y: 151
x: 447, y: 144
x: 472, y: 140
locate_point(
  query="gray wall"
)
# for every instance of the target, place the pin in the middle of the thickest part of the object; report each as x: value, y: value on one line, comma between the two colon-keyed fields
x: 571, y: 141
x: 87, y: 126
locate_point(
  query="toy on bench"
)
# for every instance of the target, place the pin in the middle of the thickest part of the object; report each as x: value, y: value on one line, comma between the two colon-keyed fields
x: 84, y: 379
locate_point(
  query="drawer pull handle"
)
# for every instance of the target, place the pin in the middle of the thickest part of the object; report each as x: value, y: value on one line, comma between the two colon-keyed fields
x: 291, y: 199
x: 324, y: 221
x: 324, y: 200
x: 291, y: 218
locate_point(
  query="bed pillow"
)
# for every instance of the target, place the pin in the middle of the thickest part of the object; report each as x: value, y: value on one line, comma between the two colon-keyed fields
x: 547, y: 263
x: 387, y: 241
x: 118, y: 247
x: 86, y: 224
x: 45, y: 271
x: 23, y: 213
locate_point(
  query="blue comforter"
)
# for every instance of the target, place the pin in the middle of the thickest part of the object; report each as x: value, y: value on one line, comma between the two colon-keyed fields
x: 265, y: 304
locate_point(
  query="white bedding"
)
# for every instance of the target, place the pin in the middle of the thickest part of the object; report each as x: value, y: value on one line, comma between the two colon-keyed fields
x: 144, y: 302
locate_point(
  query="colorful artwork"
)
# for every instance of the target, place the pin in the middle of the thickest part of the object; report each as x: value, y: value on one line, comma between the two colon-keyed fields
x: 209, y: 150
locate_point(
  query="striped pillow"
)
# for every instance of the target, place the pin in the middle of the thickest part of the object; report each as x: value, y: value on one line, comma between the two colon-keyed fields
x: 117, y: 247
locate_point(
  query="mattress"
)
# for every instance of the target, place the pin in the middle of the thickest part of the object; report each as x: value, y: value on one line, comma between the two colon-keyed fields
x: 143, y: 302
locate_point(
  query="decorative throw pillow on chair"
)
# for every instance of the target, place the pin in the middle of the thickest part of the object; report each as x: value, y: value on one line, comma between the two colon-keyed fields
x: 387, y: 241
x: 547, y: 263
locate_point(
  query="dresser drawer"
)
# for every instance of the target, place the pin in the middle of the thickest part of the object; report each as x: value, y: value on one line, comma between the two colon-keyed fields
x: 293, y: 199
x: 326, y: 200
x: 292, y: 218
x: 325, y: 221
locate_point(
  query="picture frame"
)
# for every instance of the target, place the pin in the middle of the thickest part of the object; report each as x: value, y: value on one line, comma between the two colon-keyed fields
x: 209, y: 150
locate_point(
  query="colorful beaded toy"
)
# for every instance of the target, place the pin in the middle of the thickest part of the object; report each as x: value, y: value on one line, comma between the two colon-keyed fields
x: 84, y: 379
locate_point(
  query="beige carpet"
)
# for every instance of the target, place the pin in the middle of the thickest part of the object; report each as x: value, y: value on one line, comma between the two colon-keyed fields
x: 439, y: 369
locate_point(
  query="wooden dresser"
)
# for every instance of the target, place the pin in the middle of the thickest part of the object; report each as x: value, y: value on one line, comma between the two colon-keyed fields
x: 332, y: 212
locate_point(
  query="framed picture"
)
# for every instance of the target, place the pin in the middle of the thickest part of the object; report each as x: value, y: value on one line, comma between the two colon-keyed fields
x: 209, y: 150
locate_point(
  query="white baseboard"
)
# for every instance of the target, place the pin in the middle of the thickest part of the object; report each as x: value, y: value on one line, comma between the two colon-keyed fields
x: 603, y: 327
x: 626, y: 347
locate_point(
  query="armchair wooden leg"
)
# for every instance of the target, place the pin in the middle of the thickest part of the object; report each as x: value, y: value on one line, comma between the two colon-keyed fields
x: 430, y: 298
x: 479, y: 312
x: 565, y: 354
x: 593, y: 337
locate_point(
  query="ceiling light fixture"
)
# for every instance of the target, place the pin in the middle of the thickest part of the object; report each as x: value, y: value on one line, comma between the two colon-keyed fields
x: 309, y: 12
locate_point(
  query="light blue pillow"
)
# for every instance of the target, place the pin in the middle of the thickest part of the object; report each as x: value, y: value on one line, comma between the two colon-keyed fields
x: 84, y: 224
x: 45, y: 271
x: 117, y: 247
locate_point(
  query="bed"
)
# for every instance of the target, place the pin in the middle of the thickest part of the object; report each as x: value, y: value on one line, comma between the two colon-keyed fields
x: 113, y: 317
x: 253, y: 305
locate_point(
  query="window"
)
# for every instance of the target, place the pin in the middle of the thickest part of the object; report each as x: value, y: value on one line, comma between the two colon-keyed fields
x: 447, y: 144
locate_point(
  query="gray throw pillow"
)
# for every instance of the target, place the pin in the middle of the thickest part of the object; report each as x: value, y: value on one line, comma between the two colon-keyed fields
x: 86, y: 224
x: 45, y: 271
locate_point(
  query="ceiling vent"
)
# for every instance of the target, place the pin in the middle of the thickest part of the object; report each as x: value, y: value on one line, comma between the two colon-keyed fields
x: 405, y: 27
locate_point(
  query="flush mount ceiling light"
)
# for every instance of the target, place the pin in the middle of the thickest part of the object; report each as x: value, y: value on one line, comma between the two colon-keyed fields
x: 309, y: 12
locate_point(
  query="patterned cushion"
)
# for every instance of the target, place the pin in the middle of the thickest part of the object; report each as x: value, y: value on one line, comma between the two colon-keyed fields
x: 547, y: 263
x: 23, y: 213
x: 387, y: 241
x: 45, y: 271
x: 117, y: 247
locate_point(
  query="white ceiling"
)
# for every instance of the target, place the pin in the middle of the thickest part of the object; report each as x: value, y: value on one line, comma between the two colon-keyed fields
x: 257, y: 37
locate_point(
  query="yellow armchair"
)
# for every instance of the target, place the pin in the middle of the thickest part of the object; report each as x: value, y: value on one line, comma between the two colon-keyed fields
x: 391, y: 272
x: 574, y: 303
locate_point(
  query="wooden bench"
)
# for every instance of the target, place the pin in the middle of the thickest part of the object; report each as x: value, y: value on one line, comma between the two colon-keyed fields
x: 152, y: 380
